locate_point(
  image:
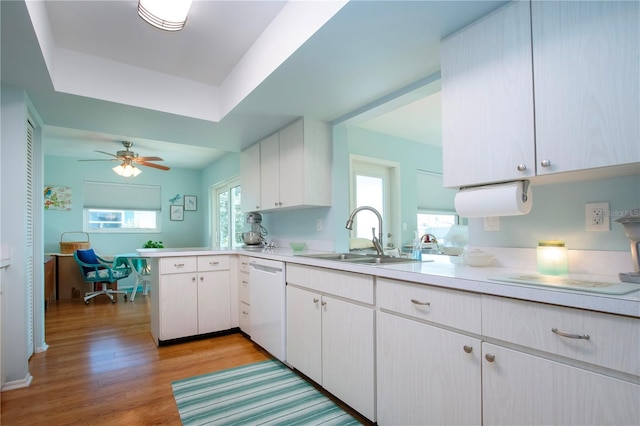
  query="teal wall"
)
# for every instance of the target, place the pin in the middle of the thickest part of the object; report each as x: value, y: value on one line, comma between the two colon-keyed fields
x: 559, y: 213
x: 62, y: 171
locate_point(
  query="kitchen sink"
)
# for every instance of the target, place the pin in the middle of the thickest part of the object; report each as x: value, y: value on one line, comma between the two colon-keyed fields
x: 363, y: 259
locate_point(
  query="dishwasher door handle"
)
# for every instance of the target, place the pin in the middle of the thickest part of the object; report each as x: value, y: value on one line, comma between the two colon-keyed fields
x: 267, y: 269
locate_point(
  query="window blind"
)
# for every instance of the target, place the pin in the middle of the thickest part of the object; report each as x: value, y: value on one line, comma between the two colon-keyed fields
x: 116, y: 196
x: 431, y: 194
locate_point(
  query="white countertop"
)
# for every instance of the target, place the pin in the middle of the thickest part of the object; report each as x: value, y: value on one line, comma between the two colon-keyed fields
x: 441, y: 271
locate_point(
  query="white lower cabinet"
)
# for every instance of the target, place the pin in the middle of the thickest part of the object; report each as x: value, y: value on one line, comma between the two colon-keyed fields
x: 426, y: 375
x: 524, y: 389
x: 244, y: 296
x: 331, y: 339
x: 193, y: 297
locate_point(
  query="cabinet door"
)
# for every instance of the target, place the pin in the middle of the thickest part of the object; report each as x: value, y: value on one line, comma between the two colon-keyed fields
x: 269, y: 172
x: 522, y: 389
x: 292, y: 165
x: 348, y: 354
x: 426, y: 375
x: 487, y: 100
x: 213, y: 302
x: 586, y: 68
x: 304, y: 330
x: 250, y: 178
x: 178, y: 310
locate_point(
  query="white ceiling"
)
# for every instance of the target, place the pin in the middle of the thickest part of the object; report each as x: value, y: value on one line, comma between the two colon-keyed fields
x: 263, y: 61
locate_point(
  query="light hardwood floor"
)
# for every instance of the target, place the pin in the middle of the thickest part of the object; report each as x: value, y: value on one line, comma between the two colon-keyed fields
x: 102, y: 368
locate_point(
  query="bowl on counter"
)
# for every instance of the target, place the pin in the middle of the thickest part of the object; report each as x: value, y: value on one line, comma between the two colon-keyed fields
x: 295, y: 246
x: 477, y: 258
x: 452, y: 251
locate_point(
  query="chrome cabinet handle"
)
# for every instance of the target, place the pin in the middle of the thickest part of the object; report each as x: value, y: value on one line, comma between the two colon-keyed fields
x: 545, y: 163
x: 490, y: 357
x: 323, y: 303
x: 214, y: 263
x: 468, y: 349
x: 178, y: 265
x: 570, y: 335
x: 276, y: 204
x: 522, y: 167
x: 201, y: 278
x: 257, y: 207
x: 315, y: 300
x: 245, y: 282
x: 417, y: 302
x: 193, y: 278
x: 245, y: 313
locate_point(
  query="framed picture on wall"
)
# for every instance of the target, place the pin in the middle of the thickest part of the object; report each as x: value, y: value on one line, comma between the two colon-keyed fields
x: 176, y: 212
x: 190, y: 203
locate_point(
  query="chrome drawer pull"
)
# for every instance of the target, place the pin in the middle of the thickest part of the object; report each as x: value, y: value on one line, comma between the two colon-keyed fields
x: 245, y: 313
x: 178, y: 265
x: 214, y: 263
x: 569, y: 335
x: 417, y: 302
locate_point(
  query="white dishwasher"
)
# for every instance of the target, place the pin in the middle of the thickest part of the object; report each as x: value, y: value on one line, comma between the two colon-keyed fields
x: 268, y: 309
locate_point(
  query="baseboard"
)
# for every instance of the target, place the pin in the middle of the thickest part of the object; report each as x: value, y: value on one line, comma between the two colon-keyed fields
x: 18, y: 384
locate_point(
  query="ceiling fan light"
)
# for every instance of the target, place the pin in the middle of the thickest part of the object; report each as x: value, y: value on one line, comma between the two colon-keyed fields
x: 126, y: 170
x: 168, y: 15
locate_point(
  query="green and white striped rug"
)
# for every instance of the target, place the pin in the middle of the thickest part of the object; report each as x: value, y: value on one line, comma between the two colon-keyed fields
x: 264, y: 393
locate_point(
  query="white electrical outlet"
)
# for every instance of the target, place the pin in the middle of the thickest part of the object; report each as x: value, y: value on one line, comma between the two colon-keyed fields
x: 492, y: 223
x: 597, y: 216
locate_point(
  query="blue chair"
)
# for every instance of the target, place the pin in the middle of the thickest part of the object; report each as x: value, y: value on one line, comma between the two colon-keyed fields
x: 142, y: 270
x: 97, y: 270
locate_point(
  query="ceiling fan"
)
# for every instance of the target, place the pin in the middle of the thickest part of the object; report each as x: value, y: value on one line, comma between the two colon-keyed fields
x: 129, y: 158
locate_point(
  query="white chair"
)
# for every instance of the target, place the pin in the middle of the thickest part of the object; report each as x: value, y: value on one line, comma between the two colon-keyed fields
x: 141, y: 269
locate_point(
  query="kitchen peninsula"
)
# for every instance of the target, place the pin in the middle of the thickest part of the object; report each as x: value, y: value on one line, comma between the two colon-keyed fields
x: 450, y: 334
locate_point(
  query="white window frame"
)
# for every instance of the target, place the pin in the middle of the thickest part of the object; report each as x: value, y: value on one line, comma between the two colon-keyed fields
x: 389, y: 171
x: 148, y: 201
x: 226, y: 185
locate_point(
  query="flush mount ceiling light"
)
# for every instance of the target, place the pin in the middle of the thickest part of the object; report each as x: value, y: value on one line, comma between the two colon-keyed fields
x: 168, y: 15
x: 126, y: 169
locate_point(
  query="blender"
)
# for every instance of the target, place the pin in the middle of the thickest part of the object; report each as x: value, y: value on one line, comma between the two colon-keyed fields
x: 631, y: 226
x: 255, y: 235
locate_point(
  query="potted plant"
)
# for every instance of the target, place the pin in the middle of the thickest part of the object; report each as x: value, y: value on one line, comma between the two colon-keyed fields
x: 153, y: 244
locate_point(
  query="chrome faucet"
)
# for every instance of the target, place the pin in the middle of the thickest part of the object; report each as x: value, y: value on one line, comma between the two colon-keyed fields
x: 377, y: 241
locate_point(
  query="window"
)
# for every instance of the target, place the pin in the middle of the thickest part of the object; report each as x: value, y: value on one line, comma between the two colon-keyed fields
x: 228, y: 220
x: 118, y: 208
x: 371, y: 183
x: 436, y: 223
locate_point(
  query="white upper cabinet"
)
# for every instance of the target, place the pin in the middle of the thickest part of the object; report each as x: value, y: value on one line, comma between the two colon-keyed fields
x: 579, y: 73
x: 294, y: 168
x: 250, y: 178
x: 586, y: 66
x: 487, y: 100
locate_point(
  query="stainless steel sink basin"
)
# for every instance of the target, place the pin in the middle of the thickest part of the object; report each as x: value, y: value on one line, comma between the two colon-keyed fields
x: 362, y: 259
x: 336, y: 256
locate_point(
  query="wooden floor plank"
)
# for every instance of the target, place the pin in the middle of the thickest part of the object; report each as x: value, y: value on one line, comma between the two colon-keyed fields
x: 102, y: 368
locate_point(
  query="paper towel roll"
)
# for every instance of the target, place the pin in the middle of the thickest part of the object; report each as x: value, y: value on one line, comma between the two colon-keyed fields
x: 494, y: 200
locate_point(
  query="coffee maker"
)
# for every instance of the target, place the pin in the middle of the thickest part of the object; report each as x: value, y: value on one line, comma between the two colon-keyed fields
x: 631, y: 226
x: 256, y: 233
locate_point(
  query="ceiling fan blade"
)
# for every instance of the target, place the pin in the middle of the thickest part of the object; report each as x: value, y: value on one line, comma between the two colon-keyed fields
x: 138, y: 159
x: 155, y: 166
x: 111, y: 155
x: 102, y: 159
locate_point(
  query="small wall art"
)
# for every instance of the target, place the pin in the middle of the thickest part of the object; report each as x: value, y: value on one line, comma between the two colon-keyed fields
x: 176, y: 212
x: 57, y: 198
x: 190, y: 203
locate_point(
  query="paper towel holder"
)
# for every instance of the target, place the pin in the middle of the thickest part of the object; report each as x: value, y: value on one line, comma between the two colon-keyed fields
x: 525, y: 189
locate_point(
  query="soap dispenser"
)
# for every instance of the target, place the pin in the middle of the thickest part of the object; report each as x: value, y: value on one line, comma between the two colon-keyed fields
x: 417, y: 247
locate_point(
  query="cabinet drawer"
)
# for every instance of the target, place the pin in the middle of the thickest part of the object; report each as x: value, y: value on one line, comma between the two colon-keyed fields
x: 452, y: 308
x: 243, y: 264
x: 213, y: 263
x: 349, y: 285
x: 613, y: 342
x: 244, y: 317
x: 244, y: 289
x: 176, y: 265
